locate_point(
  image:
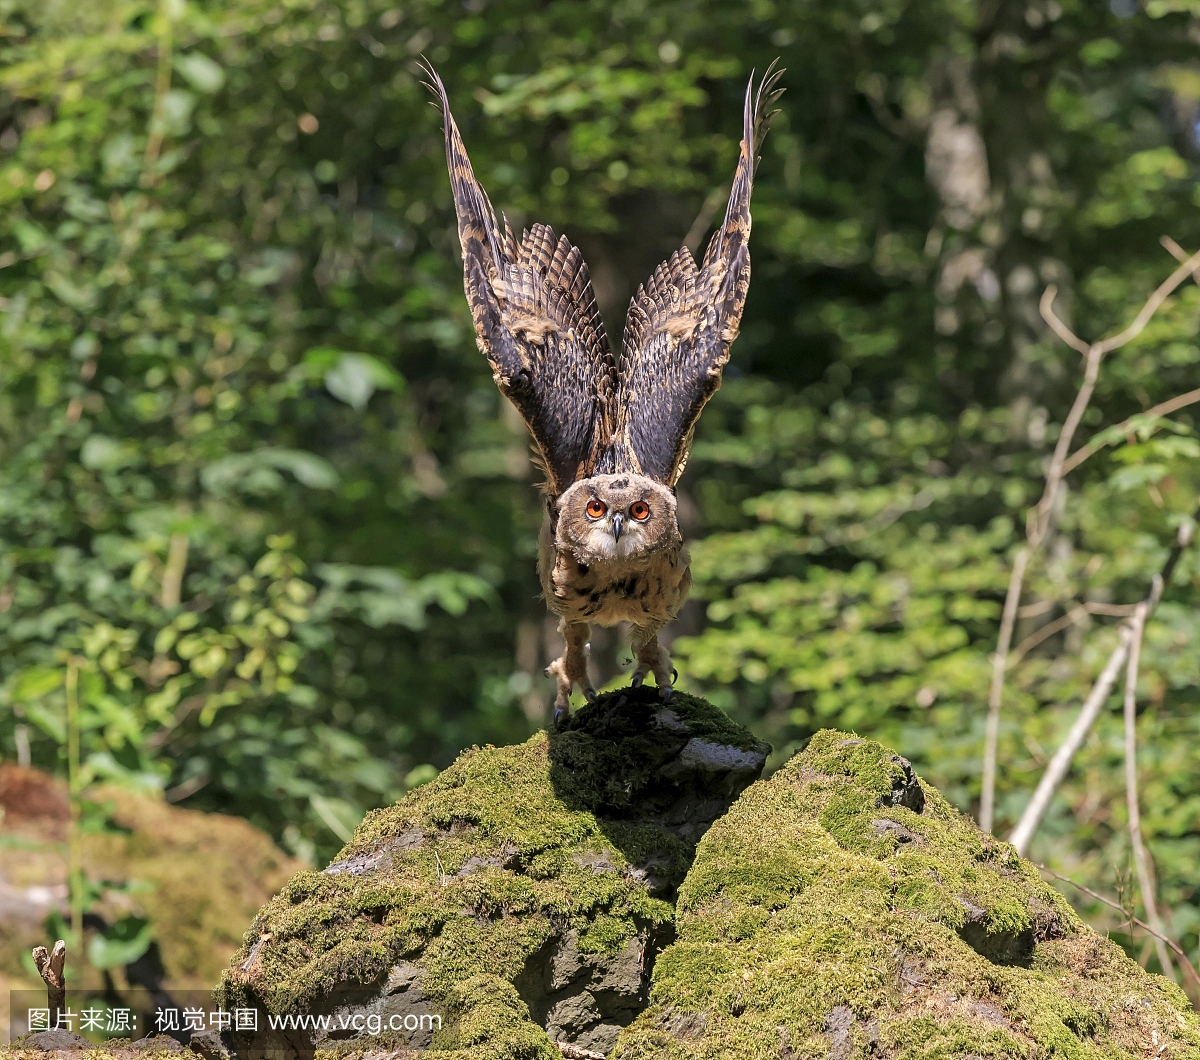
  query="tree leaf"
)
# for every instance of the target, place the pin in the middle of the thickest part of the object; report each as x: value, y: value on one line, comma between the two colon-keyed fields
x: 201, y: 72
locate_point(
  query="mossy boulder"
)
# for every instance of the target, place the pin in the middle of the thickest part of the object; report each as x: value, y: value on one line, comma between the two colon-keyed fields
x: 529, y: 881
x: 552, y: 900
x: 843, y: 909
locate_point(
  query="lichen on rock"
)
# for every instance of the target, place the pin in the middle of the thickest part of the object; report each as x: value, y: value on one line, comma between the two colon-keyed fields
x: 841, y: 909
x: 535, y: 879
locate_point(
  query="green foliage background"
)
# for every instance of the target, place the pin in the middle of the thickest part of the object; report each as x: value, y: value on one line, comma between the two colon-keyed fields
x: 257, y: 486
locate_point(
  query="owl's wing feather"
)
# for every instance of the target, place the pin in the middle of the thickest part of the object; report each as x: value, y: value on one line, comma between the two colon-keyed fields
x: 681, y: 322
x: 536, y: 322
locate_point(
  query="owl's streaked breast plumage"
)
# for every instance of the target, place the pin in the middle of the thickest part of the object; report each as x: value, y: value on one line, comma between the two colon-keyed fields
x: 646, y: 590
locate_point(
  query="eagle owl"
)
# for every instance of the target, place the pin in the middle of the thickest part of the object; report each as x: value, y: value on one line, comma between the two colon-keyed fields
x: 612, y: 434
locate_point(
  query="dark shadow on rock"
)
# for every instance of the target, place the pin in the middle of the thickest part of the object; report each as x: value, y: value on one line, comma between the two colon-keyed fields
x: 655, y: 775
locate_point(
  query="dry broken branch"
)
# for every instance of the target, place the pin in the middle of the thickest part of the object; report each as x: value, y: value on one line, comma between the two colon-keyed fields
x: 1140, y: 860
x: 1040, y: 517
x: 1163, y: 409
x: 1070, y: 618
x: 1060, y: 763
x: 50, y: 966
x: 1178, y: 253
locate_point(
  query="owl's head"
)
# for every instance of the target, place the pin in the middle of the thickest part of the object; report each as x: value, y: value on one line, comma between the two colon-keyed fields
x: 615, y: 517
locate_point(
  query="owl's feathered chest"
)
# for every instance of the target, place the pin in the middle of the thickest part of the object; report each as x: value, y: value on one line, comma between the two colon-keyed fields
x: 644, y: 591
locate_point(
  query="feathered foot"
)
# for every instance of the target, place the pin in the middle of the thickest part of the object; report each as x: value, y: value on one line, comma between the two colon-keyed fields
x: 570, y: 669
x: 653, y: 658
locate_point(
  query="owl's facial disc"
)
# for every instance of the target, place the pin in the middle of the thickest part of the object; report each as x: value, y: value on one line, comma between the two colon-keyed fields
x: 615, y: 517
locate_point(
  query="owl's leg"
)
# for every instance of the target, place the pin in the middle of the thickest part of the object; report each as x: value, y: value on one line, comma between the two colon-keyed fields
x: 570, y: 669
x: 652, y: 657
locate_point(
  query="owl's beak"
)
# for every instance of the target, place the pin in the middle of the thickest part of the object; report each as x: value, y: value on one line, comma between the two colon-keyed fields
x: 618, y: 521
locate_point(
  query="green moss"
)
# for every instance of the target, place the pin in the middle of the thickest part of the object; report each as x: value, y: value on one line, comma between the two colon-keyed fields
x: 479, y: 870
x: 824, y: 916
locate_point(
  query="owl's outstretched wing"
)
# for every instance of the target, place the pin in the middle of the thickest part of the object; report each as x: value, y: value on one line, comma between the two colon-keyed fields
x: 682, y: 321
x: 536, y: 322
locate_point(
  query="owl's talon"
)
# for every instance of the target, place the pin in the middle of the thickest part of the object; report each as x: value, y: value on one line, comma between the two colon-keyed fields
x: 666, y: 693
x: 547, y: 672
x: 674, y: 675
x: 589, y: 694
x: 637, y: 679
x: 561, y: 714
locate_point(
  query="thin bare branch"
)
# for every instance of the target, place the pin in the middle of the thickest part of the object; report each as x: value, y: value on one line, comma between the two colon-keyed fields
x: 1140, y: 859
x: 1060, y: 762
x: 1040, y: 517
x: 1118, y: 610
x: 987, y: 802
x: 1175, y: 947
x: 1161, y: 293
x: 1038, y: 607
x: 1037, y: 525
x: 1070, y: 618
x: 1178, y: 253
x: 1046, y: 308
x: 1163, y: 409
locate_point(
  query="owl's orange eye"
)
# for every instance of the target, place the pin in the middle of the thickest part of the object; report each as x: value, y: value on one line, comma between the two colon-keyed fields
x: 640, y: 510
x: 595, y: 508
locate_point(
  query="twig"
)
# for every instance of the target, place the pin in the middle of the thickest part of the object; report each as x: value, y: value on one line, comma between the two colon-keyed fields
x: 1140, y: 860
x: 1178, y: 253
x: 1163, y: 409
x: 1070, y: 618
x: 1040, y: 517
x: 1037, y: 526
x: 991, y: 741
x: 50, y: 968
x: 1175, y: 947
x: 1038, y: 607
x: 1060, y: 763
x: 1153, y: 303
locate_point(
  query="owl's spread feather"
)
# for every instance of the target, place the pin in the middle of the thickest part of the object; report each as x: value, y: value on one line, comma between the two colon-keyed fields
x: 613, y: 439
x: 682, y: 322
x: 537, y: 323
